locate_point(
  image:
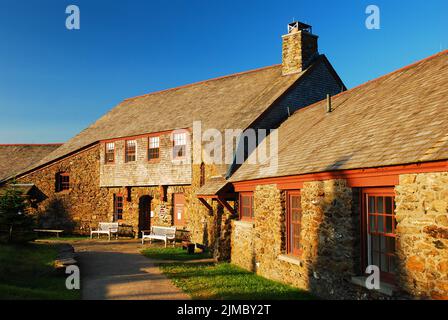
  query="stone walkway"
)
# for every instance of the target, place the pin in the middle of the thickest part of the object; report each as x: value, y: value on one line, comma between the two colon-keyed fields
x: 116, y: 270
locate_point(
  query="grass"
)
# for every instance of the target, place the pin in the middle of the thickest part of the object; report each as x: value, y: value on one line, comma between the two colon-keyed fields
x: 173, y: 254
x: 27, y: 272
x: 219, y: 281
x: 63, y: 238
x: 224, y: 281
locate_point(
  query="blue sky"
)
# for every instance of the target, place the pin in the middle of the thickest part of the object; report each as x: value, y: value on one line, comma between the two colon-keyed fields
x: 55, y: 82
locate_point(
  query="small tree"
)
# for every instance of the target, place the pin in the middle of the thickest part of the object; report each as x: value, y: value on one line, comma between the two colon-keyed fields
x: 14, y: 217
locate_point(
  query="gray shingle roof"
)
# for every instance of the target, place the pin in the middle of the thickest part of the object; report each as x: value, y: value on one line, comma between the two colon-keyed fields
x: 397, y: 119
x: 233, y: 101
x: 212, y: 186
x: 16, y: 158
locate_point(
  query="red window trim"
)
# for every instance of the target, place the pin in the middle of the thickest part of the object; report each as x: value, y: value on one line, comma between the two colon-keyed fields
x: 240, y: 207
x: 356, y: 178
x: 142, y: 136
x: 126, y: 150
x: 379, y: 191
x: 105, y: 153
x: 288, y: 222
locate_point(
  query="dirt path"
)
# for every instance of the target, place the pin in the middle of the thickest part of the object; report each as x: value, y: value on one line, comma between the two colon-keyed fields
x: 116, y: 270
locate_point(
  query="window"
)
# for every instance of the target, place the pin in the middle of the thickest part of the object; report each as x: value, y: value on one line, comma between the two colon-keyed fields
x: 62, y: 181
x: 118, y: 207
x: 180, y: 145
x: 379, y: 235
x: 246, y: 206
x: 294, y: 222
x: 110, y: 152
x: 153, y: 148
x: 130, y: 150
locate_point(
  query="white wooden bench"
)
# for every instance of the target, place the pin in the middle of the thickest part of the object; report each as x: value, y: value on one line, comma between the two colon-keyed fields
x: 108, y: 228
x: 160, y: 233
x: 57, y: 232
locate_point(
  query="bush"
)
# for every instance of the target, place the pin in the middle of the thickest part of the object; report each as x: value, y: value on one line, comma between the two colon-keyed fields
x: 16, y: 225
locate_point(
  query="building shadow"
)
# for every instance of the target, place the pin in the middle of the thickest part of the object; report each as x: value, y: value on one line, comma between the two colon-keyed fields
x: 338, y: 256
x: 55, y: 215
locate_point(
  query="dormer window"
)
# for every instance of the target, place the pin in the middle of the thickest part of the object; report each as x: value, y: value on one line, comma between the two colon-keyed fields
x: 130, y: 150
x: 110, y: 152
x: 62, y: 181
x: 153, y: 148
x: 179, y: 145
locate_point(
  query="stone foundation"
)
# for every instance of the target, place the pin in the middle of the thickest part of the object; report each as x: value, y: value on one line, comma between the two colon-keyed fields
x: 421, y: 210
x: 330, y: 239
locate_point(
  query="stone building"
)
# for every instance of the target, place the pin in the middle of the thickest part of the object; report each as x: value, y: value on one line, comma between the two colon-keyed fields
x: 361, y: 180
x: 138, y: 164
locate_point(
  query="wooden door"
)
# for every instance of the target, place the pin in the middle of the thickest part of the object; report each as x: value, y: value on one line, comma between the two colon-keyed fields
x: 144, y: 222
x: 179, y: 209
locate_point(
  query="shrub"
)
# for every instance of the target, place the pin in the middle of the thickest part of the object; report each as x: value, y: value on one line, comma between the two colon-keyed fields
x: 16, y: 225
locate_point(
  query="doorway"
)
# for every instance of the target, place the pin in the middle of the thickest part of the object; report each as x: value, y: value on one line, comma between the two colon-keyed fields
x: 144, y: 207
x: 179, y: 209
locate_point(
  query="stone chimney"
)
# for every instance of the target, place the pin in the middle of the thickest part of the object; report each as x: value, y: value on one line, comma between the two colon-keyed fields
x: 299, y: 48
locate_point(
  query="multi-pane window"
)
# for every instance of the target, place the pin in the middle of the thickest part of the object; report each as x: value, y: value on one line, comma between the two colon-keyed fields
x: 179, y: 145
x: 246, y: 206
x: 293, y: 220
x: 118, y: 207
x: 379, y: 212
x: 62, y: 181
x: 153, y: 148
x: 130, y: 150
x: 110, y: 152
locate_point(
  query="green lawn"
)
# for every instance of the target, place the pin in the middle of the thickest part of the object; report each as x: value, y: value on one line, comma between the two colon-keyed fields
x: 209, y: 280
x: 63, y: 238
x: 26, y: 272
x: 176, y: 254
x: 224, y: 281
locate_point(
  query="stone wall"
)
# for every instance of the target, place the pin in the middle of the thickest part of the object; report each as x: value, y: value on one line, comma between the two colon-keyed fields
x: 422, y: 215
x: 330, y: 240
x: 162, y: 208
x: 298, y: 49
x: 326, y: 264
x: 85, y: 203
x: 211, y: 229
x: 242, y: 242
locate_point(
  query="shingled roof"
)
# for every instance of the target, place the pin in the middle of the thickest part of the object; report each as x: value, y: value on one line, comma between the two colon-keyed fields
x: 233, y: 101
x: 400, y: 118
x: 212, y: 187
x: 17, y: 158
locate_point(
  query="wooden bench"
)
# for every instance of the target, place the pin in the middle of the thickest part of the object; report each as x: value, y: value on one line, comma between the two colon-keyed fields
x: 57, y: 232
x: 108, y: 228
x: 160, y: 233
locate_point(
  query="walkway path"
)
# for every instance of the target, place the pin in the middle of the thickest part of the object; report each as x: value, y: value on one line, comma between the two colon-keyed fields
x: 117, y: 270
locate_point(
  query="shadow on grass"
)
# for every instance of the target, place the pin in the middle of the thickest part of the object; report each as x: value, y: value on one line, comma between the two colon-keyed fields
x: 174, y: 254
x: 223, y: 281
x: 27, y: 272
